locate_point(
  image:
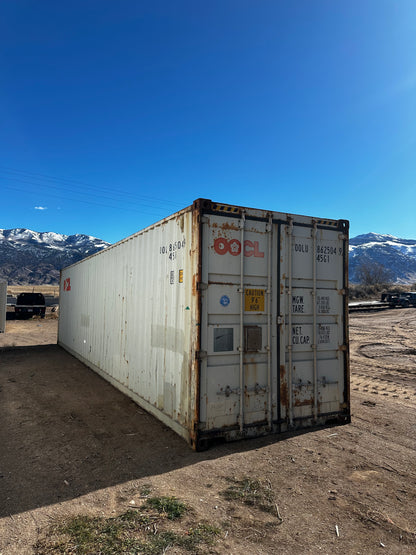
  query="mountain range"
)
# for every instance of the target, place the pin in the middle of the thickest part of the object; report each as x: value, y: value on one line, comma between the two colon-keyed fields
x: 398, y: 256
x: 32, y: 258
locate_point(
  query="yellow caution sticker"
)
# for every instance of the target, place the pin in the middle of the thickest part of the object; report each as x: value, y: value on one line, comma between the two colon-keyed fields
x: 254, y: 300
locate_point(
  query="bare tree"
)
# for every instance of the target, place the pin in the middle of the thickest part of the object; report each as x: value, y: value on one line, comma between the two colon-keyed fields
x: 373, y: 273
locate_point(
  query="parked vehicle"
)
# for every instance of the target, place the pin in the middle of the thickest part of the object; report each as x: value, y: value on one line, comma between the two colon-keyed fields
x: 30, y: 304
x: 391, y: 298
x: 407, y: 300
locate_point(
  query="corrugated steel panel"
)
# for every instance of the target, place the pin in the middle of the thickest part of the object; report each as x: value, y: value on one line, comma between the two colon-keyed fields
x: 220, y: 320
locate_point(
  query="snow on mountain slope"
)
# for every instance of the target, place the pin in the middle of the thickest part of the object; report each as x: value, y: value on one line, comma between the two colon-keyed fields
x: 32, y: 257
x: 396, y: 255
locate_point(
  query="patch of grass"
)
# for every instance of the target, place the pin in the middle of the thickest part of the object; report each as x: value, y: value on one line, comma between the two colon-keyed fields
x: 257, y: 493
x: 141, y: 531
x: 170, y: 506
x: 87, y: 535
x: 203, y: 533
x: 159, y: 543
x: 81, y: 528
x: 145, y: 490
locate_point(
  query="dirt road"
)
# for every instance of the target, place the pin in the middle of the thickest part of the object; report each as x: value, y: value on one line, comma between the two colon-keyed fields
x: 71, y: 444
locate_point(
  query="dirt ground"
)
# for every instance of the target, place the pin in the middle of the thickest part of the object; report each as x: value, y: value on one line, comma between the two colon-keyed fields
x: 71, y: 444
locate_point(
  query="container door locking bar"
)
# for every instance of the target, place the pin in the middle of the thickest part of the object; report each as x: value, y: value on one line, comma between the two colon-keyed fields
x: 241, y: 346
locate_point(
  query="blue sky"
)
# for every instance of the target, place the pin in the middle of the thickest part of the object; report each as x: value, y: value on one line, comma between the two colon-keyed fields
x: 116, y: 114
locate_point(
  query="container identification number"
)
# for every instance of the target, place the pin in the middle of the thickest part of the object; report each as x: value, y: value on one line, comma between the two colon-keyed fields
x: 323, y: 252
x: 171, y: 249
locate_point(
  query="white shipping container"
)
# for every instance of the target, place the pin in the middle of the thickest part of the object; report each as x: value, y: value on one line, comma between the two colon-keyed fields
x: 3, y: 305
x: 222, y: 321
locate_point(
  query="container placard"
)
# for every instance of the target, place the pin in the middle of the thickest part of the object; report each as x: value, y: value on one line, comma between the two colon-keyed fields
x: 254, y: 300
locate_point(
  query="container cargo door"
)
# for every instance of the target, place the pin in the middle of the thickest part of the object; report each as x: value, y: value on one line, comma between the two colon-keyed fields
x: 312, y: 307
x: 236, y: 334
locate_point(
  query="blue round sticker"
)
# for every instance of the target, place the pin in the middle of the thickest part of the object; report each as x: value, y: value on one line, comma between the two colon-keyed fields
x: 225, y: 301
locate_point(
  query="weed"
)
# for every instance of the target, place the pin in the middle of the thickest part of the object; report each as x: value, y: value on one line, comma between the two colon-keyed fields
x: 170, y: 506
x: 145, y: 490
x: 131, y: 532
x: 81, y: 528
x: 203, y: 533
x: 159, y: 543
x: 251, y: 492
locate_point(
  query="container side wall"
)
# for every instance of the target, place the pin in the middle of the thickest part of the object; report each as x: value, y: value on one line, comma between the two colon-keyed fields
x: 129, y: 314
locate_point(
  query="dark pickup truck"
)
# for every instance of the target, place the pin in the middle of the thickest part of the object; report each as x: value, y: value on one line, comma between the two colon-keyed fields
x: 400, y: 300
x: 391, y: 298
x: 407, y: 299
x: 30, y: 304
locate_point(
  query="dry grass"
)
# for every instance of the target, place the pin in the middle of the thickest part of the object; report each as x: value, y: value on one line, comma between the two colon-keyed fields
x: 144, y: 530
x: 52, y: 290
x: 373, y: 292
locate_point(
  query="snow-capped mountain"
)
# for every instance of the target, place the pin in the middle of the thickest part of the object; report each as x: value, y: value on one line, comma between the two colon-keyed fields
x: 398, y: 256
x: 30, y: 257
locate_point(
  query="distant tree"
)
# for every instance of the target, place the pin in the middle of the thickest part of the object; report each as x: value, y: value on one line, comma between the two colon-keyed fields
x: 373, y: 273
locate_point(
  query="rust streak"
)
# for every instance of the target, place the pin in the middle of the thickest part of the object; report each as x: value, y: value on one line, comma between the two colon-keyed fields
x: 304, y: 403
x: 228, y: 225
x: 194, y: 362
x: 284, y: 395
x: 194, y: 285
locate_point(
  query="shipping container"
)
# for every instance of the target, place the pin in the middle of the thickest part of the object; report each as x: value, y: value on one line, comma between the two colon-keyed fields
x: 3, y: 305
x: 222, y: 321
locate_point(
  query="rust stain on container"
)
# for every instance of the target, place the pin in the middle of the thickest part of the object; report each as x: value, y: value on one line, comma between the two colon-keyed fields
x: 226, y: 226
x: 195, y: 282
x: 229, y: 226
x: 284, y: 395
x: 304, y: 403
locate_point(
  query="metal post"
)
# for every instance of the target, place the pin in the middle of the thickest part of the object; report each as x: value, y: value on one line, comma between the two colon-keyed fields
x: 269, y: 315
x: 241, y: 347
x: 289, y: 331
x: 314, y: 334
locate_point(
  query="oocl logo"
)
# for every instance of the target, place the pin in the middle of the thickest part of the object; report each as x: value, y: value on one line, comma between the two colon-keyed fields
x: 67, y: 284
x: 233, y: 246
